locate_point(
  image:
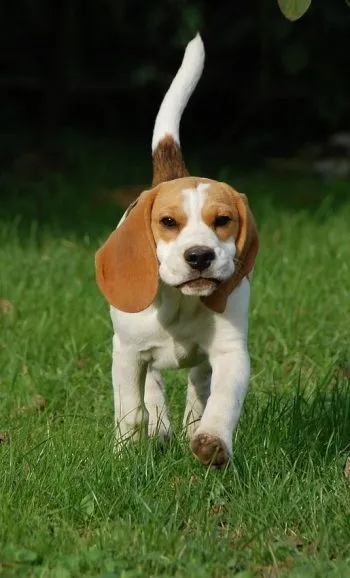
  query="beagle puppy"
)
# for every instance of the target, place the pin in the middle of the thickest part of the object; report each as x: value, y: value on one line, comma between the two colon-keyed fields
x: 176, y: 274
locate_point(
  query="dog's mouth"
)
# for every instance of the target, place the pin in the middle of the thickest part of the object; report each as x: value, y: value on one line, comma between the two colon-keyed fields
x: 200, y: 284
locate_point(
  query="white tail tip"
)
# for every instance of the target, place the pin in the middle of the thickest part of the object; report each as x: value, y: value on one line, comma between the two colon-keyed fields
x: 181, y: 88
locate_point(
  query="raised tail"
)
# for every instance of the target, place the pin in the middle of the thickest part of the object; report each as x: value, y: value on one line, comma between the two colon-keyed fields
x: 168, y: 163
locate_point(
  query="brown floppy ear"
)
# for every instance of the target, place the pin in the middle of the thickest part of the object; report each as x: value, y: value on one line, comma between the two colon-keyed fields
x: 127, y: 265
x: 247, y: 246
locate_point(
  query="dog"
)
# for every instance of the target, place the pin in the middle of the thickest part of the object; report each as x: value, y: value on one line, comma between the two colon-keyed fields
x: 176, y: 273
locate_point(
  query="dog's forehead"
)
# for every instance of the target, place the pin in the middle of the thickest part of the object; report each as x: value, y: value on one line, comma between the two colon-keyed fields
x: 170, y: 194
x: 192, y: 194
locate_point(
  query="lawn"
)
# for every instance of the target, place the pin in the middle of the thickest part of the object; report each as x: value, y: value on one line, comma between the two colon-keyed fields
x: 68, y: 506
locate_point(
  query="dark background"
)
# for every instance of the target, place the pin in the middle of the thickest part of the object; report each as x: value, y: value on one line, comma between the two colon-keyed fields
x: 269, y: 85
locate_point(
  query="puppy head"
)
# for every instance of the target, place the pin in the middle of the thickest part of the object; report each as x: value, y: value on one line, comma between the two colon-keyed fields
x: 195, y: 234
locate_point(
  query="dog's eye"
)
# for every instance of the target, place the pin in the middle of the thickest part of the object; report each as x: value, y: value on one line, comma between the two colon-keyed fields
x: 168, y: 222
x: 221, y: 221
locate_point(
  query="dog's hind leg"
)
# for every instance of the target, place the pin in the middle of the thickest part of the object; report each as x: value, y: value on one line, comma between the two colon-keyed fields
x: 158, y: 420
x: 198, y: 390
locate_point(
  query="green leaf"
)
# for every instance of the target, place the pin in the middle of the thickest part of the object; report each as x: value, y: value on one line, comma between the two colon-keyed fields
x: 70, y: 562
x: 87, y: 505
x: 60, y: 572
x: 24, y: 555
x: 294, y: 9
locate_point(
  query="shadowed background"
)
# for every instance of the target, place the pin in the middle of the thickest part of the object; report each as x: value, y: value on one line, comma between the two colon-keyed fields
x: 269, y: 87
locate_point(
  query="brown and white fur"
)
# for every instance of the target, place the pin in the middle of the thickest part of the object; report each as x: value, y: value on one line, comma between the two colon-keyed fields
x: 176, y: 274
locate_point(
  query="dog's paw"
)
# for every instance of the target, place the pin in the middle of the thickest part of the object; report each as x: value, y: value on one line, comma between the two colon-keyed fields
x: 210, y: 450
x: 121, y: 443
x: 160, y: 432
x: 126, y: 434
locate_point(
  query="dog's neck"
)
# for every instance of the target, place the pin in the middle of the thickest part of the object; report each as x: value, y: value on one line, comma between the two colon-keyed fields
x: 171, y: 304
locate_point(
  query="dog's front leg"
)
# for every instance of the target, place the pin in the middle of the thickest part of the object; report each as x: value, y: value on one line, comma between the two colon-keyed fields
x: 128, y: 376
x: 212, y: 442
x: 198, y: 389
x: 158, y: 420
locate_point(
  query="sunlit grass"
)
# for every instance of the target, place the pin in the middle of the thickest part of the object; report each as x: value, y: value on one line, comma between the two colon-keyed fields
x: 69, y: 507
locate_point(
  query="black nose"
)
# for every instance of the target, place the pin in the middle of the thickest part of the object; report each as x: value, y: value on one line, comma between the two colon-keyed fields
x: 199, y: 257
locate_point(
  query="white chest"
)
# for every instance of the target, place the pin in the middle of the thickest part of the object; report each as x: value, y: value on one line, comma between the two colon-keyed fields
x: 170, y: 353
x: 167, y: 337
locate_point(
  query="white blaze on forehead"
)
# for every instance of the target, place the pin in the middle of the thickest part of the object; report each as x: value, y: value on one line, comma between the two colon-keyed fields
x: 193, y: 203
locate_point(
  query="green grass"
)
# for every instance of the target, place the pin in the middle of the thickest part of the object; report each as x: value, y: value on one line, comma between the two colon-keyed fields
x: 68, y: 506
